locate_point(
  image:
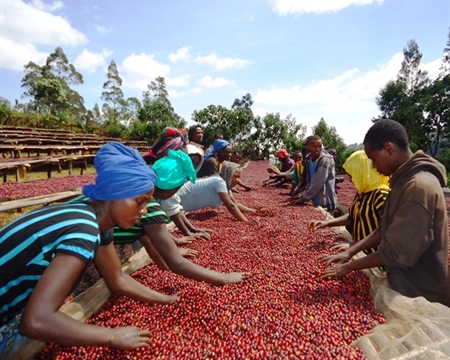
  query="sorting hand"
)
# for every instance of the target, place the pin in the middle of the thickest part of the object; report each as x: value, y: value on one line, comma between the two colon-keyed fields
x: 129, y: 338
x: 338, y: 270
x: 188, y: 253
x: 316, y: 225
x: 234, y: 278
x: 340, y: 258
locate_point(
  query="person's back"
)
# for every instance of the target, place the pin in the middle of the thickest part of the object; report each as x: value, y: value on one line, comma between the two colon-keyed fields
x: 416, y: 210
x: 204, y: 193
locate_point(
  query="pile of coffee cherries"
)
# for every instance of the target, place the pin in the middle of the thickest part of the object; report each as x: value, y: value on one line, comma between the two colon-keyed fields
x: 282, y: 310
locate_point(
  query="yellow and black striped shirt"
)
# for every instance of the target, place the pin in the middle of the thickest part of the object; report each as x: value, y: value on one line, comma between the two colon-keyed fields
x: 365, y: 213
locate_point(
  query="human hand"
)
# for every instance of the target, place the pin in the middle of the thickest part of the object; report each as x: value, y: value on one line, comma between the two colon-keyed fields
x: 340, y: 258
x: 168, y: 299
x: 316, y: 225
x: 201, y: 235
x: 233, y: 278
x: 188, y: 253
x: 342, y: 246
x: 184, y: 240
x: 129, y: 338
x: 203, y: 230
x: 336, y: 271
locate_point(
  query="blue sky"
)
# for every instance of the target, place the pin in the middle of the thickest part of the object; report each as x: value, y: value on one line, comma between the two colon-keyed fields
x: 311, y: 59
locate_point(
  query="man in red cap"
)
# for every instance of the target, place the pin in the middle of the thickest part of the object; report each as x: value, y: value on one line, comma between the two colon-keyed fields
x: 278, y: 177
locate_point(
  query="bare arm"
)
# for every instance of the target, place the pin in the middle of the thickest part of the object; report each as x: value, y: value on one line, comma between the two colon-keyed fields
x: 245, y: 186
x: 232, y: 207
x: 159, y: 238
x: 42, y: 320
x: 109, y: 266
x: 186, y: 227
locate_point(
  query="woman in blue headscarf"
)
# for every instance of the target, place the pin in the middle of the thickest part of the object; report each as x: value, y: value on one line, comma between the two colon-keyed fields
x: 44, y: 253
x: 212, y: 163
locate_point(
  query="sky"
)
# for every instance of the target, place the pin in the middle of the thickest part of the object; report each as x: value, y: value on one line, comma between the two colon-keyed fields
x: 310, y: 59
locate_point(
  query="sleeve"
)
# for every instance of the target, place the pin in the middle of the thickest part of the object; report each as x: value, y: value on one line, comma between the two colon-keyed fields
x: 407, y: 237
x: 155, y: 214
x: 209, y: 167
x: 318, y: 179
x: 379, y: 200
x: 220, y: 185
x: 171, y: 206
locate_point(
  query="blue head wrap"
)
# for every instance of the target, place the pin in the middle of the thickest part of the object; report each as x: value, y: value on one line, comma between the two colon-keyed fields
x: 174, y: 169
x: 121, y: 173
x: 218, y: 145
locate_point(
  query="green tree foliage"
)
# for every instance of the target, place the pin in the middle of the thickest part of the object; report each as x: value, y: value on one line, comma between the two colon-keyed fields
x: 214, y: 119
x: 436, y: 104
x: 403, y: 99
x: 256, y: 137
x: 113, y: 96
x: 49, y: 91
x: 331, y: 140
x: 154, y: 114
x: 271, y: 133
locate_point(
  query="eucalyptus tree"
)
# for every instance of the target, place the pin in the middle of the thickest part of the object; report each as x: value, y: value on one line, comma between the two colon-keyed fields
x: 48, y: 88
x: 154, y: 113
x: 402, y: 99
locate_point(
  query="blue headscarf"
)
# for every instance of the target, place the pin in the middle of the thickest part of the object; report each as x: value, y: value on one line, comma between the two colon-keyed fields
x: 218, y: 145
x: 174, y: 169
x: 121, y: 173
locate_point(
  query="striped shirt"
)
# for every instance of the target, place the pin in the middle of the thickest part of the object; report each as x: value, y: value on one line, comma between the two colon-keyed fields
x: 28, y: 245
x: 365, y: 213
x: 155, y: 215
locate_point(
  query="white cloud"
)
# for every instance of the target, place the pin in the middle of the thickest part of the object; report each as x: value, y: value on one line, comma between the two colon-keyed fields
x: 209, y: 82
x: 346, y: 102
x: 348, y: 92
x: 18, y: 55
x: 181, y: 54
x: 433, y: 68
x: 173, y: 94
x: 139, y: 70
x: 178, y: 81
x: 89, y: 61
x: 40, y: 5
x: 298, y: 7
x: 222, y: 63
x: 102, y: 29
x: 25, y: 24
x: 196, y: 90
x: 252, y: 18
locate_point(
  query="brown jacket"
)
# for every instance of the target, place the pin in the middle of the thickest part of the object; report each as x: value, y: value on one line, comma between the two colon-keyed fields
x: 414, y: 230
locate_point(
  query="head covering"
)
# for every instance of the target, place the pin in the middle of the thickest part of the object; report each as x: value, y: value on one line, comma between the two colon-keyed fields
x: 227, y: 172
x: 282, y: 154
x: 195, y: 150
x: 218, y: 145
x: 173, y: 170
x: 363, y: 174
x: 121, y: 173
x: 171, y: 139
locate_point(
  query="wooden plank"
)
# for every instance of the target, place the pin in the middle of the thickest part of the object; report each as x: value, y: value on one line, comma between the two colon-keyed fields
x: 38, y: 200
